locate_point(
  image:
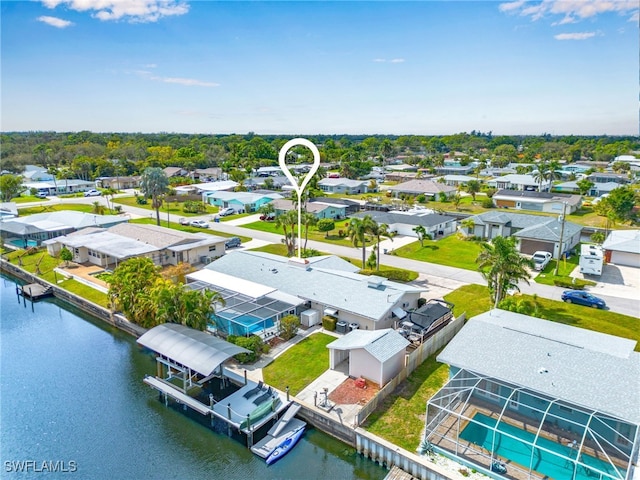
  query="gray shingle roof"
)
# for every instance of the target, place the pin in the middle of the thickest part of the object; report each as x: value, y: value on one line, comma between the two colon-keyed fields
x: 336, y: 286
x: 391, y: 218
x: 583, y: 367
x: 380, y: 344
x: 549, y: 230
x: 623, y: 241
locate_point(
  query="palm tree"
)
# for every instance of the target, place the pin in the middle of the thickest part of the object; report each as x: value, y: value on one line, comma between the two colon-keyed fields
x: 98, y: 208
x: 502, y: 266
x: 307, y: 220
x: 288, y: 221
x: 469, y: 225
x: 380, y: 230
x: 540, y: 175
x: 154, y: 183
x: 422, y: 233
x: 357, y: 231
x: 473, y: 187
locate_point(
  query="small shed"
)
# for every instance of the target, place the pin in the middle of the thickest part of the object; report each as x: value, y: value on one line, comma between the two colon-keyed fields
x: 377, y: 355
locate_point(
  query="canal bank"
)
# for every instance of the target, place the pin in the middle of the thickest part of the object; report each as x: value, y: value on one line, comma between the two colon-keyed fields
x: 369, y: 446
x: 72, y: 390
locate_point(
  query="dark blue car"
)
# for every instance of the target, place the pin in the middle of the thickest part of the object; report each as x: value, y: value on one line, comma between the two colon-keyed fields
x: 583, y: 298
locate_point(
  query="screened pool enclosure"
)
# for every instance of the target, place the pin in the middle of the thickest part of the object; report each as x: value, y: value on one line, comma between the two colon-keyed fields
x: 510, y: 431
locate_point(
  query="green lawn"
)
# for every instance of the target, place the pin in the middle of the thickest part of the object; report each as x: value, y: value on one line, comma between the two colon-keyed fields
x: 300, y: 365
x: 28, y: 199
x: 314, y: 234
x: 174, y: 208
x: 567, y: 265
x: 400, y: 418
x: 474, y: 299
x: 60, y: 207
x: 187, y: 228
x: 450, y: 251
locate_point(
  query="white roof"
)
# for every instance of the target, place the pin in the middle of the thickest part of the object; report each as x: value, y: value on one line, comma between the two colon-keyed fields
x: 246, y: 287
x: 215, y: 186
x: 381, y: 344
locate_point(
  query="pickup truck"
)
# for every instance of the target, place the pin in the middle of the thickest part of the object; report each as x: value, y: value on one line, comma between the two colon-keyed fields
x: 541, y: 260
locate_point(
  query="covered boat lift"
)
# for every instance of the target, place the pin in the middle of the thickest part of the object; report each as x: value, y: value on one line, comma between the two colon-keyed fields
x: 188, y: 361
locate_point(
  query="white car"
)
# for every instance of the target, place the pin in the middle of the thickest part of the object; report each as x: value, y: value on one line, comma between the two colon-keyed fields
x: 92, y: 193
x: 226, y: 211
x: 199, y: 224
x: 541, y: 259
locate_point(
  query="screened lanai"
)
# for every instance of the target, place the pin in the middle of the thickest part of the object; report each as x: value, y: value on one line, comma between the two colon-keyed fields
x: 247, y: 308
x: 529, y: 398
x: 489, y: 422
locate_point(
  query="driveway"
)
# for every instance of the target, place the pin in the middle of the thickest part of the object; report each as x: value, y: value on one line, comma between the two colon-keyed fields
x: 615, y: 281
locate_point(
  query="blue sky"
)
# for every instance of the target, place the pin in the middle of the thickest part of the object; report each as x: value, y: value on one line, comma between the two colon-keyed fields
x: 420, y: 67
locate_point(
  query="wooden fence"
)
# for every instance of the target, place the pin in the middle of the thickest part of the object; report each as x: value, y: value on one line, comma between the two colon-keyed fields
x: 412, y: 361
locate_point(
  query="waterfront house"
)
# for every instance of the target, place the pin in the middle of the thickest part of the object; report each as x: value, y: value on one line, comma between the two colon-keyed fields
x: 539, y: 399
x: 32, y: 230
x: 165, y: 246
x: 537, y: 201
x: 534, y: 232
x: 519, y: 182
x: 326, y: 284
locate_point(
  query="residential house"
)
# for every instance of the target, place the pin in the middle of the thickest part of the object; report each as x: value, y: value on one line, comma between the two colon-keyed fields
x: 427, y: 188
x: 400, y: 177
x: 8, y: 210
x: 119, y: 183
x: 318, y: 209
x: 34, y: 173
x: 539, y: 399
x: 454, y: 168
x: 401, y: 167
x: 403, y: 223
x: 534, y: 232
x: 171, y: 172
x: 240, y: 201
x: 377, y: 355
x: 326, y: 284
x: 537, y: 201
x: 60, y: 187
x: 165, y: 246
x: 210, y: 174
x: 622, y: 247
x: 515, y: 181
x: 34, y: 229
x: 204, y: 188
x: 456, y: 180
x: 343, y: 185
x: 277, y: 182
x: 597, y: 190
x: 351, y: 206
x: 601, y: 177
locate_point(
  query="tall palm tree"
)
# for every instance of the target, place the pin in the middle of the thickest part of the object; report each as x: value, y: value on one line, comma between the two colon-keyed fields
x: 380, y: 230
x: 357, y: 231
x: 540, y: 175
x: 154, y: 183
x: 502, y: 266
x: 288, y: 222
x: 307, y: 220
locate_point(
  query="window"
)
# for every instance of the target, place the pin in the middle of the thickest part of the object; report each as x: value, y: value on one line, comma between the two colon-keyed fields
x: 212, y: 248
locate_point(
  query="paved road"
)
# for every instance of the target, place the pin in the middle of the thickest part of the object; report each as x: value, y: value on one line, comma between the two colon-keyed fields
x: 440, y: 278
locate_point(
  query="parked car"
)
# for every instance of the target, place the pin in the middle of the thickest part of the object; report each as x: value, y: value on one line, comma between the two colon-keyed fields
x: 233, y: 242
x: 92, y: 193
x: 184, y: 221
x: 541, y: 259
x: 199, y: 224
x: 268, y: 216
x: 583, y: 298
x: 226, y: 211
x: 41, y: 195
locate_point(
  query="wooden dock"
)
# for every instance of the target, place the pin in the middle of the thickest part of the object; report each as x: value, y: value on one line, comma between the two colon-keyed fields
x: 35, y: 291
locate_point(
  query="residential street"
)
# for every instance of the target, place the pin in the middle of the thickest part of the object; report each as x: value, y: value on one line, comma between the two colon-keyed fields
x: 439, y: 278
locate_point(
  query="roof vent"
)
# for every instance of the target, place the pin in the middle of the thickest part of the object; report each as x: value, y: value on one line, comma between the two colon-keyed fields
x: 543, y: 370
x: 374, y: 281
x: 299, y: 262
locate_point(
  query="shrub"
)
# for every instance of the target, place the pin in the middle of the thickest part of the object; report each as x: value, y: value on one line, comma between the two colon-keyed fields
x: 422, y: 198
x: 141, y: 200
x: 421, y: 302
x: 396, y: 275
x: 289, y: 326
x: 252, y: 343
x: 329, y: 323
x: 487, y: 203
x: 193, y: 207
x: 575, y: 284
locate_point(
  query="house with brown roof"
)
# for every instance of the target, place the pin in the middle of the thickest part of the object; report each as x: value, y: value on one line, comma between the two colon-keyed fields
x: 537, y: 201
x: 423, y: 187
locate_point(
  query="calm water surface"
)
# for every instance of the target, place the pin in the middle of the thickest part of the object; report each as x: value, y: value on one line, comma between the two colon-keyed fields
x: 71, y: 391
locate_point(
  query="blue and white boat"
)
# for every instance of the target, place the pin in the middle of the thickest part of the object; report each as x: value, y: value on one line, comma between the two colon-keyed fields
x: 285, y: 447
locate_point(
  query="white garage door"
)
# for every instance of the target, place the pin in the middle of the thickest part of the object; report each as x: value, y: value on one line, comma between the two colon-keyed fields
x: 625, y: 258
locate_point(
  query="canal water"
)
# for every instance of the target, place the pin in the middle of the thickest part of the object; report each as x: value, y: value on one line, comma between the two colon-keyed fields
x: 72, y: 400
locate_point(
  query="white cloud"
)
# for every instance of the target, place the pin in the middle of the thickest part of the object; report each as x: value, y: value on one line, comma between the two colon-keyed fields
x: 574, y: 36
x: 131, y: 10
x: 384, y: 60
x: 397, y: 60
x: 55, y: 21
x: 379, y: 60
x: 571, y: 10
x: 188, y: 82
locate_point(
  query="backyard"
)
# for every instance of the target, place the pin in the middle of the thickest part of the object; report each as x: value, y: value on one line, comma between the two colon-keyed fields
x: 299, y: 365
x: 173, y: 208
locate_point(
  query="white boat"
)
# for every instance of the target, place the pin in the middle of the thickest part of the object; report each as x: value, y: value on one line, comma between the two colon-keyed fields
x: 285, y: 447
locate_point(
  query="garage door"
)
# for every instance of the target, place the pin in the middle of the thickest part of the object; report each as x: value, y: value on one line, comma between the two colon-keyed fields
x: 625, y: 258
x: 529, y: 247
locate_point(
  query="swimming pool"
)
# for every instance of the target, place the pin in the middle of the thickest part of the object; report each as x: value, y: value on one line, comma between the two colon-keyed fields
x: 242, y: 325
x: 18, y: 242
x: 519, y: 450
